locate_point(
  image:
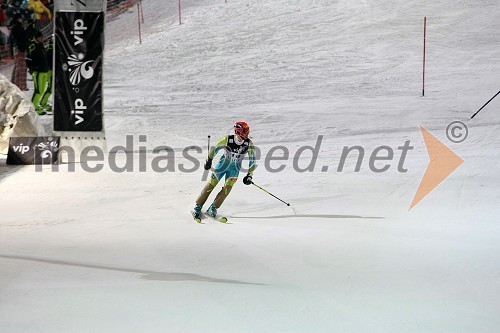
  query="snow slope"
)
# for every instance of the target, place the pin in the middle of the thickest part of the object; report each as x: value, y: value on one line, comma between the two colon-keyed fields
x: 118, y: 252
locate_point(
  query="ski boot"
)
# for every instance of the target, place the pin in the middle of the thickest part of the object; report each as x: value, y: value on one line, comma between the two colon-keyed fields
x: 212, y: 211
x: 197, y: 213
x: 40, y: 111
x: 47, y: 107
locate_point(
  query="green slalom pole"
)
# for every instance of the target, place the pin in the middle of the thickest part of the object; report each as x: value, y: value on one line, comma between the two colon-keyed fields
x: 286, y: 203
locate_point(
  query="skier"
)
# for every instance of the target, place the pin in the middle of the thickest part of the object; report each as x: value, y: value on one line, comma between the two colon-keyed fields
x: 235, y: 148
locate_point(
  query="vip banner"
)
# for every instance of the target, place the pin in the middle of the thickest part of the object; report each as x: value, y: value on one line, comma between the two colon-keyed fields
x: 33, y: 150
x: 79, y: 46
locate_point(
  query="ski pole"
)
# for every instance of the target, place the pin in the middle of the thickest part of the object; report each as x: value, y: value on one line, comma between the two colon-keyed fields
x: 485, y: 105
x: 209, y: 143
x: 270, y: 194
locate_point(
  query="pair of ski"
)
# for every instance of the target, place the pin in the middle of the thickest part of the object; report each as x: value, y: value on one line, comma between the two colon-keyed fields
x: 221, y: 219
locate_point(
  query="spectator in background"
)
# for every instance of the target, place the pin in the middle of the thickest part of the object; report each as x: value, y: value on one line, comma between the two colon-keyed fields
x: 39, y: 68
x: 3, y: 38
x: 41, y: 13
x: 3, y: 13
x: 44, y: 103
x: 13, y: 9
x: 49, y: 4
x: 16, y: 8
x: 31, y: 28
x: 19, y: 40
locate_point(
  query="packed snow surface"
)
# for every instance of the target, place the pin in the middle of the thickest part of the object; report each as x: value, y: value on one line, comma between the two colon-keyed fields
x: 119, y: 252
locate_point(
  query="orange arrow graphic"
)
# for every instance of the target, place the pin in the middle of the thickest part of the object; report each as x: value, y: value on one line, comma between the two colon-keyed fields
x: 443, y: 161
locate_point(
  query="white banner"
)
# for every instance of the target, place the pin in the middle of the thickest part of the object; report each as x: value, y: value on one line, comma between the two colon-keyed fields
x: 80, y: 5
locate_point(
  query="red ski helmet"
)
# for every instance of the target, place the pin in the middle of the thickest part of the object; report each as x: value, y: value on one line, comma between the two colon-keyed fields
x: 241, y: 128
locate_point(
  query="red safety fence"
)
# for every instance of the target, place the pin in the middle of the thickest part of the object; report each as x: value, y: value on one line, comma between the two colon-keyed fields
x: 116, y: 7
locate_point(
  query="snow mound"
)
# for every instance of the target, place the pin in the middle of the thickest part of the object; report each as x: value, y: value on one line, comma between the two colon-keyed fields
x: 17, y: 115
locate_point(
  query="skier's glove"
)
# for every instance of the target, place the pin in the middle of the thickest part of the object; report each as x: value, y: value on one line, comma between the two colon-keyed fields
x: 208, y: 164
x: 247, y: 180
